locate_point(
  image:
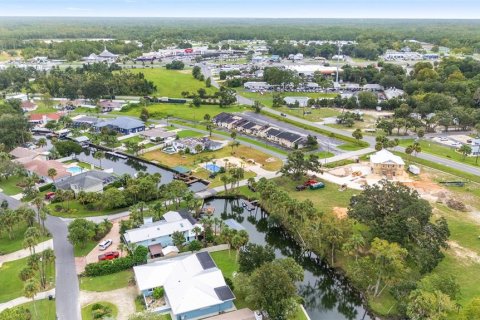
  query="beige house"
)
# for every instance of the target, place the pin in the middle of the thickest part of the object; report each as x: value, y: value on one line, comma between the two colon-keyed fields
x: 387, y: 164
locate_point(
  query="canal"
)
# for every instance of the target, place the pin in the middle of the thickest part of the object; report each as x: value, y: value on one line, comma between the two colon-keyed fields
x: 326, y: 294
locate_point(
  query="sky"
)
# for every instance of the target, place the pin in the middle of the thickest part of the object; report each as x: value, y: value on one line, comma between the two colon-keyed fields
x: 415, y: 9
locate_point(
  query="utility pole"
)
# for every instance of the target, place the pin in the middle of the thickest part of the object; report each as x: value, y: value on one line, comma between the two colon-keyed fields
x: 338, y: 59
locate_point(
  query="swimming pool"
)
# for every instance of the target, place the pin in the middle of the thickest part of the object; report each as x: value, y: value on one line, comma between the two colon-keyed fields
x: 212, y: 167
x: 74, y: 170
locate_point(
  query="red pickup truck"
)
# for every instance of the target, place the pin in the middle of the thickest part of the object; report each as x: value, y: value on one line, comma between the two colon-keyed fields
x: 108, y: 256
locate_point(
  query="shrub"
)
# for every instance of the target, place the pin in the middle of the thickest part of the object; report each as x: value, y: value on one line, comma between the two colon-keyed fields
x: 108, y: 267
x: 229, y: 283
x: 158, y: 293
x: 46, y: 187
x: 194, y: 245
x: 100, y: 311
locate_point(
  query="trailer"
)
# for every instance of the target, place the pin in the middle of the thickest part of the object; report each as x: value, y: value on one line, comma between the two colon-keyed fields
x: 316, y: 186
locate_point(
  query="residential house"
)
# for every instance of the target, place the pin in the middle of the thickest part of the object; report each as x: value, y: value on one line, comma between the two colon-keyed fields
x: 226, y: 120
x: 123, y: 125
x: 28, y: 106
x: 43, y: 118
x: 159, y: 135
x: 393, y: 93
x: 374, y: 87
x: 194, y: 287
x: 387, y: 164
x: 23, y: 155
x: 41, y: 167
x: 190, y: 145
x: 110, y: 105
x: 84, y: 121
x: 89, y: 181
x: 475, y: 145
x: 160, y: 232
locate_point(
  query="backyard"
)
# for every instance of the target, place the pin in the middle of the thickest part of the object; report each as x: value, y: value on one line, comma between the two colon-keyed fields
x: 171, y: 83
x: 87, y: 312
x: 9, y: 186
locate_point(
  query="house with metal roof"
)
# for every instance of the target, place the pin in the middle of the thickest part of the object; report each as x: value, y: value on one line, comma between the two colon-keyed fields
x: 387, y: 164
x: 124, y: 125
x: 160, y: 232
x: 194, y: 287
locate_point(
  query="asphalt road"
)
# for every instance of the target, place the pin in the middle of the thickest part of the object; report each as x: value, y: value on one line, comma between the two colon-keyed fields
x: 66, y: 282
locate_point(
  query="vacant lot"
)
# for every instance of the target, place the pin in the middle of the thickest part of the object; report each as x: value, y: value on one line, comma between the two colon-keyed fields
x: 45, y: 309
x: 267, y: 100
x: 314, y: 115
x: 106, y: 283
x: 182, y: 111
x: 171, y: 83
x: 192, y: 160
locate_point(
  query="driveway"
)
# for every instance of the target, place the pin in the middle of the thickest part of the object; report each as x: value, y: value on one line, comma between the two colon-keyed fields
x: 92, y: 256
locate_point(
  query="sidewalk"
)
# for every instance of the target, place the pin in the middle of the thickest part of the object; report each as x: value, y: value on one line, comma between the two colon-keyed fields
x: 22, y: 300
x: 20, y: 254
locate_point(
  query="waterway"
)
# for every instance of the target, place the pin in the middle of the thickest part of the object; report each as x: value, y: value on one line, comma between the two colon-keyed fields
x: 326, y: 294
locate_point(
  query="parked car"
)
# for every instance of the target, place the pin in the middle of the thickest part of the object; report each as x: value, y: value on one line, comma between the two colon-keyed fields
x: 108, y: 256
x: 105, y: 244
x: 283, y: 115
x: 49, y: 195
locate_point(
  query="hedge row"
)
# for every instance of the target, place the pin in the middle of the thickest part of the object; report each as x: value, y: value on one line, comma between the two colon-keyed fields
x: 46, y: 187
x: 316, y: 129
x: 108, y: 267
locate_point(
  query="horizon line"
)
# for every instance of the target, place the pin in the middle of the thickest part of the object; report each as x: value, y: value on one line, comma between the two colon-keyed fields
x: 234, y: 17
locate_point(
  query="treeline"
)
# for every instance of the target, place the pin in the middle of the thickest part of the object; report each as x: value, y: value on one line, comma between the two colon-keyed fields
x: 461, y: 34
x: 395, y: 253
x: 75, y: 50
x: 93, y: 81
x: 13, y: 125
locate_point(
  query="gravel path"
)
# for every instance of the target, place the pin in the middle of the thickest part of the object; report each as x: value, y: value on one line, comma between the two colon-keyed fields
x: 123, y: 298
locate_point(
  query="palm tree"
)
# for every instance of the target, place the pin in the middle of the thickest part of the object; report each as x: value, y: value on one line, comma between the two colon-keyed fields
x: 38, y: 202
x: 32, y: 238
x: 30, y: 290
x: 197, y: 231
x: 99, y: 155
x: 9, y: 220
x: 47, y: 258
x: 52, y: 173
x: 122, y: 247
x: 43, y: 216
x: 216, y: 222
x: 42, y: 142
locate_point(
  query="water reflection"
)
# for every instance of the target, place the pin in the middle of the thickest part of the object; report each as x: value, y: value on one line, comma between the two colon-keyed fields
x: 326, y: 294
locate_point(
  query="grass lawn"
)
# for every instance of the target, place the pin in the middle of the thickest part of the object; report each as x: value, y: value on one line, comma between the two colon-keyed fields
x: 324, y: 154
x: 192, y: 160
x: 9, y: 186
x: 45, y: 309
x: 351, y: 146
x: 87, y: 310
x: 182, y: 111
x: 42, y: 108
x: 441, y: 151
x: 324, y: 199
x: 8, y: 245
x: 79, y: 251
x: 171, y: 83
x: 267, y: 98
x: 106, y: 283
x: 217, y: 182
x: 73, y: 209
x: 135, y: 139
x: 11, y: 284
x: 316, y: 115
x: 189, y: 134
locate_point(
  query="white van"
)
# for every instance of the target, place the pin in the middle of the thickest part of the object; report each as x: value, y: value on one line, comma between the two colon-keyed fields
x: 105, y: 244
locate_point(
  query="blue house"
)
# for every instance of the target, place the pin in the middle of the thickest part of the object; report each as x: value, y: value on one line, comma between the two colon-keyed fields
x: 194, y: 288
x: 123, y: 125
x: 152, y: 234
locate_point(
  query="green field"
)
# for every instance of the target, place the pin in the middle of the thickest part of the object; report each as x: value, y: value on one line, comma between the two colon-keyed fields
x: 9, y: 186
x: 77, y: 210
x: 182, y: 111
x: 189, y: 134
x: 11, y: 284
x: 87, y: 310
x: 267, y: 100
x: 79, y: 251
x: 171, y: 83
x: 45, y: 309
x: 316, y: 115
x: 106, y: 283
x: 441, y: 151
x: 8, y: 245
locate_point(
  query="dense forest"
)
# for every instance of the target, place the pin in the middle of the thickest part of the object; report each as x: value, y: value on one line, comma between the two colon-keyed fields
x: 451, y: 33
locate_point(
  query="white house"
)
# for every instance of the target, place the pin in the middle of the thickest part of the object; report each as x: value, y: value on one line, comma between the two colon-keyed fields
x: 194, y: 287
